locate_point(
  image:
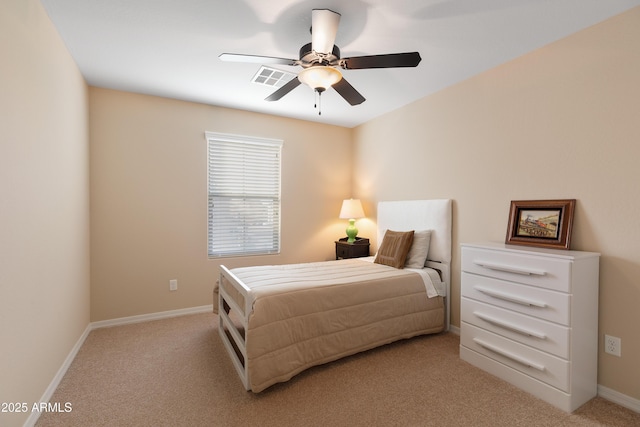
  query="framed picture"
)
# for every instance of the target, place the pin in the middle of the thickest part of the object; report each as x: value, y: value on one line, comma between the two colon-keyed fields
x: 543, y: 223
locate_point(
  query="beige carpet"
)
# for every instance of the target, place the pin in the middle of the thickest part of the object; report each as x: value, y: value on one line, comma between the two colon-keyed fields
x: 175, y: 372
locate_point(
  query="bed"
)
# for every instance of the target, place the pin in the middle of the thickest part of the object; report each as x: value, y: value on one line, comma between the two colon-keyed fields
x: 276, y: 321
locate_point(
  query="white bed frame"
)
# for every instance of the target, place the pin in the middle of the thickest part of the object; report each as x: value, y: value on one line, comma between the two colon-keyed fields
x: 237, y: 352
x: 416, y: 215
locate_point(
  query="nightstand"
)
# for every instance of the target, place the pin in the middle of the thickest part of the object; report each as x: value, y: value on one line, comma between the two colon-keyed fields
x: 357, y: 249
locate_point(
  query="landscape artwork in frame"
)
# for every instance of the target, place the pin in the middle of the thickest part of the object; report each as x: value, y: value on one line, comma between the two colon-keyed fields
x: 542, y: 223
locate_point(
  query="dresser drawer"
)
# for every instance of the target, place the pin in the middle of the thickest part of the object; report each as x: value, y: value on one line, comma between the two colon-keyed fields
x: 545, y: 336
x: 542, y: 366
x: 541, y: 303
x: 536, y: 270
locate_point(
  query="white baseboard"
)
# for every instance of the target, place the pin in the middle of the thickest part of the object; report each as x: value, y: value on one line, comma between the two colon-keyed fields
x: 151, y: 316
x: 619, y: 398
x: 454, y: 329
x: 33, y: 418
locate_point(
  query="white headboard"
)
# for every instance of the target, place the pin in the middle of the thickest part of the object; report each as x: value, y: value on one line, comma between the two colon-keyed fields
x: 418, y: 215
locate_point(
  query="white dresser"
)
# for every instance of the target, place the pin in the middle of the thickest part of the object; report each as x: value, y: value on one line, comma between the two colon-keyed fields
x: 530, y: 317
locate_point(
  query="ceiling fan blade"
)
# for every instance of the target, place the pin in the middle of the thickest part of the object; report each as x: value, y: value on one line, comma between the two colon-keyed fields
x: 324, y: 27
x: 392, y: 60
x: 291, y: 85
x: 348, y: 92
x: 256, y: 59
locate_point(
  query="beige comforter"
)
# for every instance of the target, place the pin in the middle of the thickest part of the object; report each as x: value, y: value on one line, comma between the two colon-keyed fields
x: 308, y: 314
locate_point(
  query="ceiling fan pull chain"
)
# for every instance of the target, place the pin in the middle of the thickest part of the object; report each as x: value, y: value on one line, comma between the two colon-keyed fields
x: 317, y: 102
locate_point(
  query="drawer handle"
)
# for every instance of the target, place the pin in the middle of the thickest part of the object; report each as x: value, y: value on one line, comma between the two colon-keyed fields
x: 510, y: 268
x: 509, y: 355
x: 516, y: 328
x: 511, y: 298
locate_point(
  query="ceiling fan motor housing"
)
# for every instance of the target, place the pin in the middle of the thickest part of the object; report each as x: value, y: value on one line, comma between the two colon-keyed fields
x: 309, y: 58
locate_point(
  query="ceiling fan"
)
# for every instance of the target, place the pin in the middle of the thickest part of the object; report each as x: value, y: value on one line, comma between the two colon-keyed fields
x: 320, y: 60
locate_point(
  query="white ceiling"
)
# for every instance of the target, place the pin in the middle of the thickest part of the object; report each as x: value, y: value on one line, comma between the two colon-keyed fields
x: 170, y: 48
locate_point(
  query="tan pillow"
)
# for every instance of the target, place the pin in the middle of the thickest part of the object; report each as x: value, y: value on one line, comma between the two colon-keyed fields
x: 419, y: 249
x: 394, y: 248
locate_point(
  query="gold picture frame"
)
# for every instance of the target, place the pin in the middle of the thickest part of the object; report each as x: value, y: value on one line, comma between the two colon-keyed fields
x: 541, y: 223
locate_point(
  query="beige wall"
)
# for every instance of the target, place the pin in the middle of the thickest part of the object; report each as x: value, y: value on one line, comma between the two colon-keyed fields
x: 149, y: 198
x: 561, y: 122
x: 44, y: 204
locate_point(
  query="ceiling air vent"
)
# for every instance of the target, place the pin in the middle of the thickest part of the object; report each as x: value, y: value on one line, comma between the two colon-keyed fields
x: 272, y: 77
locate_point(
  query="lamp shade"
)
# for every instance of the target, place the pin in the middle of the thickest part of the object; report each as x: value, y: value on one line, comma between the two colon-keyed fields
x: 320, y: 77
x: 351, y: 209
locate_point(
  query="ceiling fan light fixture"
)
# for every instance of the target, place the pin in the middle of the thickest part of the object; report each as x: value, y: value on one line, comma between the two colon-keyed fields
x: 320, y: 77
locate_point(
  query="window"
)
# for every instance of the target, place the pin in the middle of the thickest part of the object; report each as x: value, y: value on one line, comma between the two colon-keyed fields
x: 244, y: 195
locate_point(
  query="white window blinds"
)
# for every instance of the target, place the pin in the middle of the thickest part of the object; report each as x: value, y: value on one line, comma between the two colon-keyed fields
x: 244, y: 195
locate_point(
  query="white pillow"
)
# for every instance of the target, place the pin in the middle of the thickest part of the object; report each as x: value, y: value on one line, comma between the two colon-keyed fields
x: 419, y: 249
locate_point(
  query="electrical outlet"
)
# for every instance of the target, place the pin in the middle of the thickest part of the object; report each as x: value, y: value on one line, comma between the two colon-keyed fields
x: 173, y: 285
x: 613, y: 345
